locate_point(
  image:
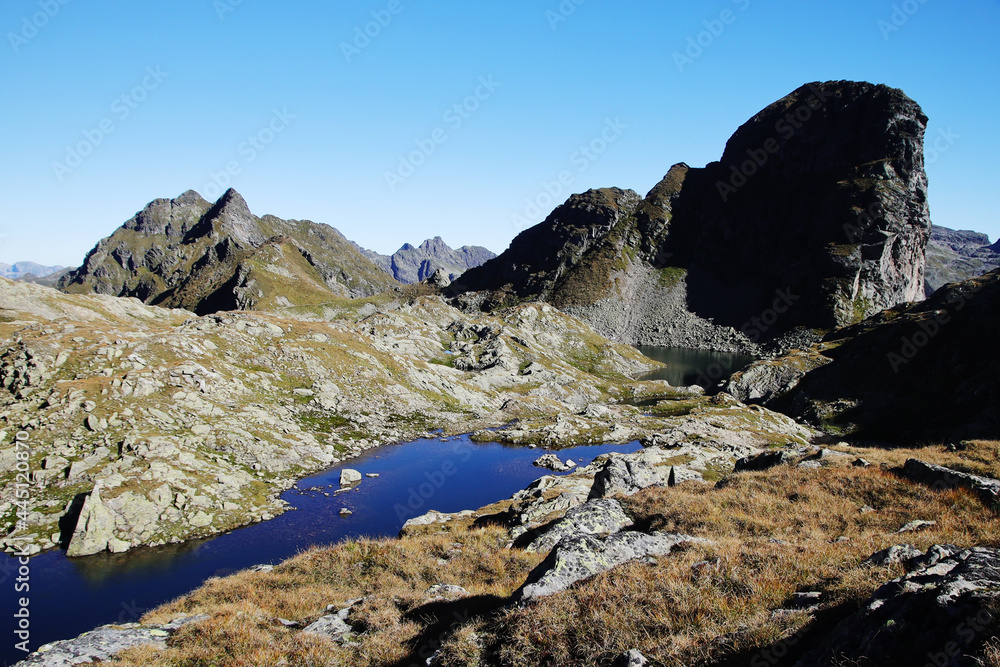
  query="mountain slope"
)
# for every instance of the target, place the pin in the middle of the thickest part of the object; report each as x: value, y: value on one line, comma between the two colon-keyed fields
x: 920, y: 372
x: 815, y: 217
x: 412, y: 264
x: 188, y: 253
x: 953, y: 256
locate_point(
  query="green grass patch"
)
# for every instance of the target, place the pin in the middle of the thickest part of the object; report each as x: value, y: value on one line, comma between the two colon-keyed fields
x: 671, y: 275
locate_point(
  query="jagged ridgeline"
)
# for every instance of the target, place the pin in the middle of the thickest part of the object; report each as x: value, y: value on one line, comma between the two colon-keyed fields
x: 189, y: 253
x: 815, y: 217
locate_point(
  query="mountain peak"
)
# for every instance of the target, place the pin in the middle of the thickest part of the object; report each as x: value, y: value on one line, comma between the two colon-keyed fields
x: 231, y: 216
x: 189, y: 197
x: 412, y: 264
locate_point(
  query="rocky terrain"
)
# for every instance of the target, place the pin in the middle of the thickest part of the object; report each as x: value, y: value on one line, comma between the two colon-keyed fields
x: 416, y: 264
x: 678, y: 554
x: 189, y: 253
x: 954, y: 256
x: 815, y: 217
x: 914, y: 372
x: 150, y: 425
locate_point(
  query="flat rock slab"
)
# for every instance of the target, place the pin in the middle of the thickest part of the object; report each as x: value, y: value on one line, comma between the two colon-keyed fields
x: 578, y: 558
x: 599, y: 518
x: 103, y: 644
x: 940, y: 477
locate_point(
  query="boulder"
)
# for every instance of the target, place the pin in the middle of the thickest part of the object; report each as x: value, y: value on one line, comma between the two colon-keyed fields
x: 631, y: 658
x: 762, y: 461
x: 552, y: 462
x: 898, y: 553
x: 95, y: 527
x: 349, y: 477
x: 578, y: 558
x: 623, y: 476
x: 599, y: 517
x: 335, y: 625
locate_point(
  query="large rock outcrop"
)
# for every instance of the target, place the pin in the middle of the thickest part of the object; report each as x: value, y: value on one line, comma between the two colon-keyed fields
x: 942, y: 613
x: 188, y: 253
x: 921, y: 371
x: 412, y: 264
x: 816, y: 217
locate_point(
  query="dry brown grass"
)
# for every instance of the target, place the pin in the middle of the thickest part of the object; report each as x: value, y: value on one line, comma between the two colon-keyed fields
x: 775, y: 533
x: 395, y: 574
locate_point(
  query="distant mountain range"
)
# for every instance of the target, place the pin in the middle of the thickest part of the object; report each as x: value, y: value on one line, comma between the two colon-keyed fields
x: 19, y: 270
x: 954, y: 256
x: 412, y: 264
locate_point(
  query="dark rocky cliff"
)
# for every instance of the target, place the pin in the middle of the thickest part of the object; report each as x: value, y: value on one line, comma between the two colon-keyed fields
x: 923, y: 372
x: 815, y: 217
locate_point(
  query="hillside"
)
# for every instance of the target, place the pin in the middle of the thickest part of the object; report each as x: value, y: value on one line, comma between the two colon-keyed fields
x: 920, y: 372
x: 189, y: 253
x: 152, y: 425
x: 954, y: 256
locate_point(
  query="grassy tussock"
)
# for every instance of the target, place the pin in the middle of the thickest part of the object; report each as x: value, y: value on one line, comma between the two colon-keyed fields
x: 394, y: 574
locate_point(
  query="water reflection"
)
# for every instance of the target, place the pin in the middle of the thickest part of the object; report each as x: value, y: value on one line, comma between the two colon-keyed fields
x: 70, y: 596
x: 686, y: 367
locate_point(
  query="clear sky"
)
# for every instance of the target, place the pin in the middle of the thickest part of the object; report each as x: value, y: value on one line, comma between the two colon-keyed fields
x: 108, y: 105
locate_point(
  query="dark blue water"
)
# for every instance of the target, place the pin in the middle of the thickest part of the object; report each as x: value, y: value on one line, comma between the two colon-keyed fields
x: 70, y: 596
x: 685, y: 367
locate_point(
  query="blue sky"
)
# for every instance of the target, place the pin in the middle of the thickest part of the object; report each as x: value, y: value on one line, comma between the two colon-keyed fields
x: 263, y: 96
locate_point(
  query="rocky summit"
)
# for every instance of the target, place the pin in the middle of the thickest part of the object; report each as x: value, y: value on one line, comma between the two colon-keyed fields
x: 815, y: 217
x: 189, y: 253
x: 412, y: 264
